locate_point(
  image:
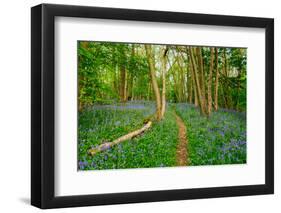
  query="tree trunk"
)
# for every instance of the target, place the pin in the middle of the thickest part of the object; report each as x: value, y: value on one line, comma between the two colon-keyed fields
x: 183, y: 93
x: 181, y: 86
x: 217, y: 80
x: 238, y: 90
x: 123, y: 77
x: 176, y: 90
x: 201, y: 71
x: 238, y: 85
x: 190, y: 91
x: 123, y: 83
x: 164, y: 62
x: 193, y: 82
x: 226, y: 87
x: 210, y: 82
x: 130, y: 87
x: 131, y: 80
x: 201, y: 99
x: 150, y: 60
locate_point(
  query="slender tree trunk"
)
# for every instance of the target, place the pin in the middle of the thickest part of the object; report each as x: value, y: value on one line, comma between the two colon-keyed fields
x: 131, y: 79
x: 201, y: 99
x: 164, y: 62
x: 224, y: 97
x: 125, y: 98
x: 193, y: 81
x: 217, y: 80
x: 210, y: 82
x: 181, y: 84
x: 238, y: 90
x: 150, y: 59
x: 130, y: 87
x: 115, y: 80
x: 176, y: 90
x: 225, y: 63
x: 239, y: 84
x: 123, y: 83
x: 123, y: 77
x: 201, y: 71
x: 186, y: 77
x: 196, y: 102
x: 150, y: 90
x: 183, y: 89
x: 190, y: 89
x: 226, y: 87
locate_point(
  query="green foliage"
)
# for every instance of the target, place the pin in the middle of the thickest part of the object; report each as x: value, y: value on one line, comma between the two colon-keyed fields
x: 98, y: 71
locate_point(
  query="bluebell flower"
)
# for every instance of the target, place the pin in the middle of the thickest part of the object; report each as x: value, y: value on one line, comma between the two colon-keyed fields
x: 117, y: 123
x: 222, y: 133
x: 82, y: 164
x: 93, y: 164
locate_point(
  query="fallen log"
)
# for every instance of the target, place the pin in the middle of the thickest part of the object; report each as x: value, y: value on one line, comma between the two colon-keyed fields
x: 130, y: 135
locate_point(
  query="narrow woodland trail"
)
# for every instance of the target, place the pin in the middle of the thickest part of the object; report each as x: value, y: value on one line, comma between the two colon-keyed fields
x: 182, y: 152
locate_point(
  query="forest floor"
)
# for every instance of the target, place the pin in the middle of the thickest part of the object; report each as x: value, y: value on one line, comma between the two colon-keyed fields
x: 183, y: 137
x: 182, y: 152
x: 217, y: 140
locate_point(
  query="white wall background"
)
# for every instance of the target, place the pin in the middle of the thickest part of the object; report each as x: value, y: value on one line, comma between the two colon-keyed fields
x: 15, y: 105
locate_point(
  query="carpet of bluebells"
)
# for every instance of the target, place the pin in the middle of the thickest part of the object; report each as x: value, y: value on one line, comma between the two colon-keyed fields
x: 104, y: 123
x: 219, y: 139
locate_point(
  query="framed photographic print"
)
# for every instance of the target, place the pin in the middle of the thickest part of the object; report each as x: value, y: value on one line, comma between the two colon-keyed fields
x: 140, y: 106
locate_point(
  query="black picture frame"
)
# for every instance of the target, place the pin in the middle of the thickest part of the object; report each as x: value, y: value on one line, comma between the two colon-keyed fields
x: 43, y: 105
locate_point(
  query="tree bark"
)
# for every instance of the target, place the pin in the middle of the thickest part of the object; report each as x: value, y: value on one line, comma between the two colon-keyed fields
x: 226, y: 88
x: 130, y: 87
x: 131, y: 79
x: 176, y: 90
x: 123, y: 77
x: 181, y: 86
x: 238, y: 85
x: 183, y: 93
x: 151, y: 63
x: 193, y: 82
x: 201, y: 71
x: 164, y: 68
x: 188, y: 84
x: 201, y: 99
x: 123, y: 83
x: 210, y: 82
x: 129, y: 136
x: 216, y: 81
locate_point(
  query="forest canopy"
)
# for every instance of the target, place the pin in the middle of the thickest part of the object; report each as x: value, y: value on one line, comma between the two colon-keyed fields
x: 210, y: 77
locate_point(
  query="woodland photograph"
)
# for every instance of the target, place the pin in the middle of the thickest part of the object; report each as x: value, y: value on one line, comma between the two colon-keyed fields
x: 160, y: 105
